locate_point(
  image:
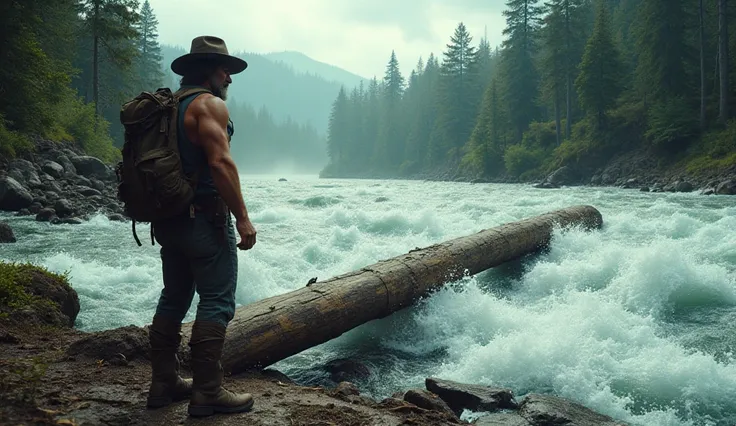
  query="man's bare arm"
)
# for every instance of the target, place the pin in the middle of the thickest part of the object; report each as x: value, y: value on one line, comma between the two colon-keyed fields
x: 212, y: 119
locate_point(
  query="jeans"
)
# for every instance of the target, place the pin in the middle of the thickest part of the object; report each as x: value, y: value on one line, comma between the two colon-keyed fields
x: 195, y: 256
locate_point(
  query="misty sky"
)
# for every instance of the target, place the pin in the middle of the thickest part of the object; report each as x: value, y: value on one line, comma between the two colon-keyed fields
x: 355, y: 35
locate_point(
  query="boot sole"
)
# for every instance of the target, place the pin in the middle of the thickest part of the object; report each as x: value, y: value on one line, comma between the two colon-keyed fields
x: 208, y: 410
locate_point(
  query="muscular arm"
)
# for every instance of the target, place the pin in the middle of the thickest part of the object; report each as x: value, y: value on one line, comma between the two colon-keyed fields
x: 212, y: 118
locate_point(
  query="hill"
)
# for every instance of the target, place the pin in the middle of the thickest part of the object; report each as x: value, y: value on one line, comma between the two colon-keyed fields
x: 288, y: 84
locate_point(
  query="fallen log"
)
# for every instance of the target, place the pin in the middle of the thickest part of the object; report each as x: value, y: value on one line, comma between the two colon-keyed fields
x: 272, y: 329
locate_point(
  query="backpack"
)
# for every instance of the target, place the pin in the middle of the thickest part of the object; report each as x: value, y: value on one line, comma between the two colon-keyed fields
x: 151, y: 181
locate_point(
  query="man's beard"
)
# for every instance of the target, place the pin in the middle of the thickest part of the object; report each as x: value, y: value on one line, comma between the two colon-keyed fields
x: 219, y: 90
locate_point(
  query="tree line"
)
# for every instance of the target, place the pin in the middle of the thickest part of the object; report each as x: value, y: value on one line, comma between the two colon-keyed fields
x: 573, y: 83
x: 68, y: 65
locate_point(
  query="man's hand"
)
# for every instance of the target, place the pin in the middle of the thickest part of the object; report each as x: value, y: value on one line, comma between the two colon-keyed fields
x: 247, y: 234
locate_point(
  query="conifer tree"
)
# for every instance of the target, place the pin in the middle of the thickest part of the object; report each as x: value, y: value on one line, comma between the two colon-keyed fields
x: 599, y: 82
x: 149, y: 70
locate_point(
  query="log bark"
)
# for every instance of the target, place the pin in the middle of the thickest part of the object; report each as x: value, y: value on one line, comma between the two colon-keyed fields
x: 273, y: 329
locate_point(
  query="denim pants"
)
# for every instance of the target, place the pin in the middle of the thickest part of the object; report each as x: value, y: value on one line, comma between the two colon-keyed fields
x: 196, y: 256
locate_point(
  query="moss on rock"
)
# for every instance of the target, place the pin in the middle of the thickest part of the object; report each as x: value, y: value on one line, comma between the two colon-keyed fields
x: 34, y: 295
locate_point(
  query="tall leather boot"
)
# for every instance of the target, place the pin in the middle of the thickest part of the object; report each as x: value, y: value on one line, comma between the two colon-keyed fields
x: 167, y: 386
x: 208, y: 395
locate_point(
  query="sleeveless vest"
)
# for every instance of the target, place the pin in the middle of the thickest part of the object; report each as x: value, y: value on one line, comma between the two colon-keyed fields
x: 193, y: 157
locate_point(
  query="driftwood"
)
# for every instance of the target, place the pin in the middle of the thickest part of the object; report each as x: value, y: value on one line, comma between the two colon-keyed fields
x: 272, y: 329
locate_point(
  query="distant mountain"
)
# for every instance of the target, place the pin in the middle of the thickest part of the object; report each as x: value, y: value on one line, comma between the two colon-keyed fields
x: 288, y: 84
x: 302, y: 63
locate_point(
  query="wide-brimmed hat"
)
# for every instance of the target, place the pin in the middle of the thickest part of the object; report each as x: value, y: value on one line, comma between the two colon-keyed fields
x: 208, y: 48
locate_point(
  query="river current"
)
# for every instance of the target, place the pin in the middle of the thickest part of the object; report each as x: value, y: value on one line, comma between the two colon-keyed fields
x: 637, y: 320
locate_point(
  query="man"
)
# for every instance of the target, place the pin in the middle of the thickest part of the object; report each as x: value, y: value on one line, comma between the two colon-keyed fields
x: 198, y: 249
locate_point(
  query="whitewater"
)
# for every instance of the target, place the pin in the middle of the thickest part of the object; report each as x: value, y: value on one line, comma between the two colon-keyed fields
x: 636, y: 320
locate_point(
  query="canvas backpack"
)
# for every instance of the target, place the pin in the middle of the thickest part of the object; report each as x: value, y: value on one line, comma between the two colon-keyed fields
x: 151, y: 181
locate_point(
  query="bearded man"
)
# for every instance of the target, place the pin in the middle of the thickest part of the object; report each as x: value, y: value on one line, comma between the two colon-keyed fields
x: 198, y: 248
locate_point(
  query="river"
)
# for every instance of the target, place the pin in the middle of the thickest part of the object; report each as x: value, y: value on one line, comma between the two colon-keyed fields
x: 637, y: 320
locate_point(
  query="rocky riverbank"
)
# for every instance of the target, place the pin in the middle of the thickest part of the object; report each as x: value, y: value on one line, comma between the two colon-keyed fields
x: 59, y: 184
x: 52, y: 374
x: 637, y: 170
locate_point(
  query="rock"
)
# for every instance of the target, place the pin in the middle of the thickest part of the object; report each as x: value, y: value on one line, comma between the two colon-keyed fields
x: 23, y: 212
x: 130, y: 341
x: 88, y: 166
x: 644, y: 189
x: 97, y: 184
x: 45, y: 214
x: 727, y: 187
x: 63, y: 207
x: 460, y: 396
x: 87, y: 191
x: 631, y: 183
x: 346, y: 389
x: 6, y: 233
x: 49, y: 287
x: 381, y: 200
x: 708, y: 191
x: 345, y: 370
x: 277, y: 376
x: 117, y: 217
x: 282, y: 180
x: 502, y: 419
x: 427, y: 400
x: 35, y: 207
x: 54, y: 169
x: 69, y: 169
x: 13, y: 196
x: 83, y: 181
x: 562, y: 176
x: 684, y: 186
x: 550, y: 410
x: 596, y: 180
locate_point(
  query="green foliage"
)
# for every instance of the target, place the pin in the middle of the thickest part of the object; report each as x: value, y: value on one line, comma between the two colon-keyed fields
x: 77, y: 119
x: 13, y: 279
x: 599, y: 82
x: 12, y: 142
x: 671, y: 125
x: 519, y: 159
x: 717, y: 150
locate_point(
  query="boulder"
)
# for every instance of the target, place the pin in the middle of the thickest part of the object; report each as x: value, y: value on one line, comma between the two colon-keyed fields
x: 6, y: 233
x: 684, y: 186
x: 131, y: 342
x: 460, y: 396
x: 13, y: 196
x: 562, y: 176
x: 546, y: 185
x: 45, y: 215
x: 63, y: 207
x: 88, y: 166
x: 550, y: 410
x: 54, y: 169
x: 427, y: 400
x: 727, y: 187
x: 345, y: 370
x: 69, y: 169
x: 87, y: 191
x: 49, y: 298
x: 346, y: 389
x: 502, y: 419
x: 23, y: 212
x: 631, y: 183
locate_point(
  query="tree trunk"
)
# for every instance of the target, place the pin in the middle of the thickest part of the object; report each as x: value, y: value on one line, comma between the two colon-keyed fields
x: 558, y: 120
x: 272, y: 329
x: 723, y: 56
x: 568, y: 75
x: 95, y: 62
x: 702, y: 68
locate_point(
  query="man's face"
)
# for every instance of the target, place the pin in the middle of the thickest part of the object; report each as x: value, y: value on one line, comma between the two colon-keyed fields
x: 219, y: 82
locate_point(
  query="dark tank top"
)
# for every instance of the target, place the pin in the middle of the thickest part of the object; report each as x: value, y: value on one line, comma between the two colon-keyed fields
x: 193, y: 157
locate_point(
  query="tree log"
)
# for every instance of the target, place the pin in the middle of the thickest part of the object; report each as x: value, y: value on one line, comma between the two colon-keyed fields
x: 273, y: 329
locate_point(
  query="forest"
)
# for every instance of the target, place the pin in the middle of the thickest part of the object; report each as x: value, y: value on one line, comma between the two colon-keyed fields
x: 68, y: 66
x: 574, y: 83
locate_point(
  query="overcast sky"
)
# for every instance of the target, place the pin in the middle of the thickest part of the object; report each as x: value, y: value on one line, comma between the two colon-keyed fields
x: 357, y: 35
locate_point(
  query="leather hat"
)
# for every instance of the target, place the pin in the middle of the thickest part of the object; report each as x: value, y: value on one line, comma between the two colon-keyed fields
x: 208, y: 48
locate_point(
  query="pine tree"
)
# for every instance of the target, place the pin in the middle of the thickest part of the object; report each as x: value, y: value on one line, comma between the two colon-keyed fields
x: 149, y: 70
x: 521, y: 77
x: 110, y: 24
x: 599, y: 82
x: 390, y: 144
x: 338, y: 130
x: 487, y: 145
